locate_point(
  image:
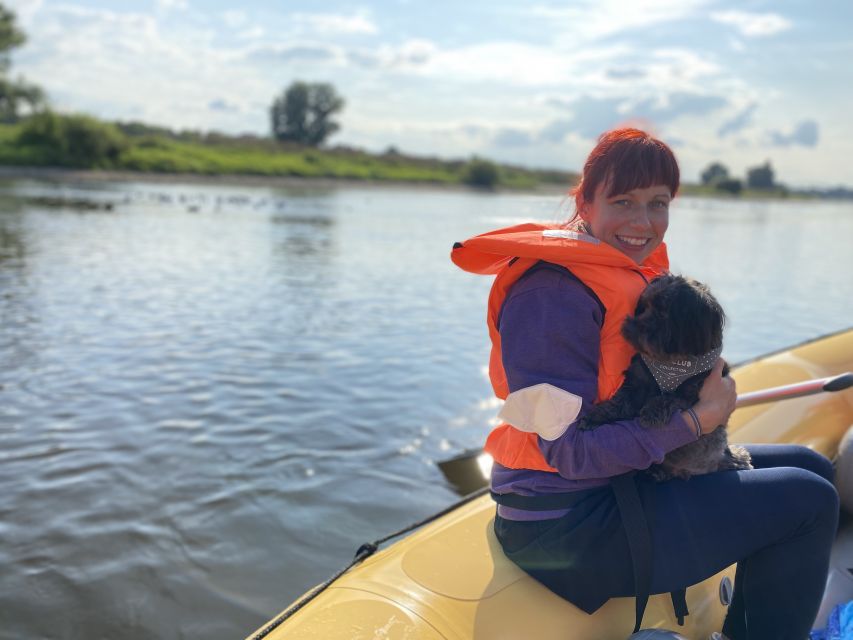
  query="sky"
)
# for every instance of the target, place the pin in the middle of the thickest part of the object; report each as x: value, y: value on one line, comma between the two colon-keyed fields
x: 530, y: 83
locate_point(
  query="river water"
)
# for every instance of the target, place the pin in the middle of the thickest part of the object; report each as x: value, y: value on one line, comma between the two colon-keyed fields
x: 211, y: 395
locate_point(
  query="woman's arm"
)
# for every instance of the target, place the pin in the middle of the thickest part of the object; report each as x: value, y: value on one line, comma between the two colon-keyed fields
x: 550, y: 331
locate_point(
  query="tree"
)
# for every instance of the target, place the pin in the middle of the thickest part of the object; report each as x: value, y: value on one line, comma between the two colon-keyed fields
x: 10, y: 36
x: 760, y: 177
x: 303, y: 113
x: 14, y: 93
x: 714, y: 173
x: 75, y: 141
x: 481, y: 173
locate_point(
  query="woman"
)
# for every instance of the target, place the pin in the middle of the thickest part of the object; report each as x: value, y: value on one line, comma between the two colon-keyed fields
x: 555, y: 312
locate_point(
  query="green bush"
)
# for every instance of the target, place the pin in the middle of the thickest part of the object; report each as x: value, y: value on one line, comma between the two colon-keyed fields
x: 481, y: 173
x: 729, y: 185
x: 73, y: 141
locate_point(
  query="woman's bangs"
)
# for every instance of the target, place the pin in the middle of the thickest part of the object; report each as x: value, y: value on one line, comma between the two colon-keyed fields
x: 640, y: 167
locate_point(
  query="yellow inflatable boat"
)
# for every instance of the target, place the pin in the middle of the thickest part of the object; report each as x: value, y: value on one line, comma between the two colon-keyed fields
x: 450, y: 580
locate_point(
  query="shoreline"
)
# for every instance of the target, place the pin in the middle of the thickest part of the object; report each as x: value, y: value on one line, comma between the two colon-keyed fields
x: 51, y: 174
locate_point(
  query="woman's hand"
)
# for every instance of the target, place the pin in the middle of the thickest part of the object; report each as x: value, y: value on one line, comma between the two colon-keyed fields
x: 717, y: 399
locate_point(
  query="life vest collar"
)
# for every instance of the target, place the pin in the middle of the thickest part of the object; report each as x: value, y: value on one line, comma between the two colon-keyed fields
x: 490, y: 252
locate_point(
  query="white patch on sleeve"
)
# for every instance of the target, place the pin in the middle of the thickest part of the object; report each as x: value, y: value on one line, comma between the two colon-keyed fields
x: 542, y: 409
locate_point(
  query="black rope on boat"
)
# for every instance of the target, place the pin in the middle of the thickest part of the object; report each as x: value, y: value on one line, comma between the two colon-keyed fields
x: 364, y: 551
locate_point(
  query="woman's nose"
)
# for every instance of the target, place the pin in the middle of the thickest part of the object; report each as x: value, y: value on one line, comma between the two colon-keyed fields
x: 641, y: 218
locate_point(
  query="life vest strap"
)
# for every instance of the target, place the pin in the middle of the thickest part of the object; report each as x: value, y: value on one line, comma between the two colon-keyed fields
x: 679, y: 605
x: 636, y: 527
x: 639, y: 539
x: 545, y: 502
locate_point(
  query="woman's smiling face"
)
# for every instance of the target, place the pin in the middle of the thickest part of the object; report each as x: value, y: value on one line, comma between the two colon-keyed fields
x: 633, y: 222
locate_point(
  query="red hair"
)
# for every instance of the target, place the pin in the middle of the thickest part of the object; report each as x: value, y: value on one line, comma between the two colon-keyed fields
x: 627, y: 159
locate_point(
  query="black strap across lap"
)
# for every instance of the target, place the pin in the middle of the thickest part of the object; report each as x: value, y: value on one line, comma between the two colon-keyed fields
x: 545, y: 502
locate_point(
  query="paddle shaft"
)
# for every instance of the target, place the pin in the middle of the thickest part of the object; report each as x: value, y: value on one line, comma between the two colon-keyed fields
x: 796, y: 390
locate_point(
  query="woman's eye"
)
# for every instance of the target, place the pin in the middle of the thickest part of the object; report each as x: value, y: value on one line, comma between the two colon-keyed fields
x: 660, y: 204
x: 622, y: 203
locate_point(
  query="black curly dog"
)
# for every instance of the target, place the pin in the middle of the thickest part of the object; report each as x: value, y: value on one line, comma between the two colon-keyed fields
x: 675, y: 316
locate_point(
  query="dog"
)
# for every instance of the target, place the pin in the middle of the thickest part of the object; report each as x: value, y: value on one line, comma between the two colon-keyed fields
x: 677, y: 329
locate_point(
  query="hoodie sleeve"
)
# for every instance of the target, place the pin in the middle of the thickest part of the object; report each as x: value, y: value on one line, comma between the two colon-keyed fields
x: 550, y: 331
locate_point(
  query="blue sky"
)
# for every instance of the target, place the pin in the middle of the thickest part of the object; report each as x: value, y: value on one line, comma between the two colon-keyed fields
x: 527, y: 83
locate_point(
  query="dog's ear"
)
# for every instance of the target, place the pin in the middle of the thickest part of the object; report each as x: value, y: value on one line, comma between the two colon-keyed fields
x: 697, y: 318
x: 631, y: 327
x: 632, y: 331
x: 648, y: 329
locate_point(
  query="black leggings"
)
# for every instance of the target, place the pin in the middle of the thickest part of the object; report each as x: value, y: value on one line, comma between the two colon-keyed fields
x: 777, y: 521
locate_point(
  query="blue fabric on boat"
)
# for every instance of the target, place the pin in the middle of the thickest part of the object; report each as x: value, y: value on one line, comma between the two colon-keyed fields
x: 839, y: 625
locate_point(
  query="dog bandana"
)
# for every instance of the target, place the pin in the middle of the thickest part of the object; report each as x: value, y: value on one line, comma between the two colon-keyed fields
x: 670, y: 374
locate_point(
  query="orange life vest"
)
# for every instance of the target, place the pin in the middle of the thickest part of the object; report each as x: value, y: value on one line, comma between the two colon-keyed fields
x: 613, y: 277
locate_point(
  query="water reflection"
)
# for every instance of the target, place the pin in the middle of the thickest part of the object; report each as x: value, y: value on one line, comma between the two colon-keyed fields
x: 13, y: 250
x: 303, y: 235
x: 303, y: 220
x: 20, y: 338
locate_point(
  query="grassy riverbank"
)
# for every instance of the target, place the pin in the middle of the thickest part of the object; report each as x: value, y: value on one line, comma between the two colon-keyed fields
x: 134, y: 148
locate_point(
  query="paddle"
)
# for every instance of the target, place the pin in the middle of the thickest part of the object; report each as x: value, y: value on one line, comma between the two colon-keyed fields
x: 469, y: 470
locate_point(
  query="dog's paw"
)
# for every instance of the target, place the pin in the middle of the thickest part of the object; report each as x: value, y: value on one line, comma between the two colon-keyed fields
x: 658, y: 474
x: 736, y: 458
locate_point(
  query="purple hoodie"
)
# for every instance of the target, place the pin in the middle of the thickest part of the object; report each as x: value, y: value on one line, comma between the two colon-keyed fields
x: 550, y: 326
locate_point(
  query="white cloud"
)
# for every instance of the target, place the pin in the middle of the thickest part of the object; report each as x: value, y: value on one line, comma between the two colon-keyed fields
x: 101, y: 37
x: 128, y: 65
x: 753, y: 24
x: 252, y: 33
x: 221, y: 104
x: 512, y: 63
x: 804, y: 134
x: 740, y: 121
x: 589, y: 115
x: 649, y: 73
x: 25, y: 10
x: 556, y: 131
x: 302, y: 52
x: 168, y: 5
x: 682, y: 65
x: 508, y: 63
x: 234, y: 18
x: 513, y: 137
x: 333, y: 23
x: 625, y: 73
x: 592, y: 19
x: 664, y: 108
x: 412, y: 54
